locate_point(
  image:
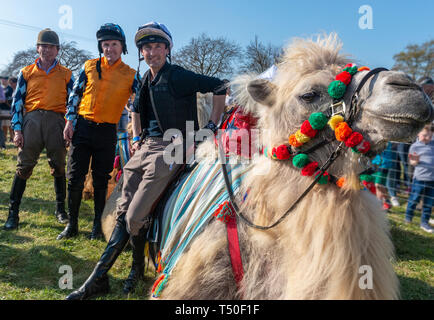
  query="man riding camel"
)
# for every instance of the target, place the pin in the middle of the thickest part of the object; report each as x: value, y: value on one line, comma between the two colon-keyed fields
x: 167, y: 100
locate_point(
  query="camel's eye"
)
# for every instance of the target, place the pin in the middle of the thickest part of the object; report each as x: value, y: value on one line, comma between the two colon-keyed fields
x: 309, y: 96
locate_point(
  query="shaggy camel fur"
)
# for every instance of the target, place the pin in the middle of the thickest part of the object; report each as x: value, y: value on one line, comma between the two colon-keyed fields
x: 317, y: 252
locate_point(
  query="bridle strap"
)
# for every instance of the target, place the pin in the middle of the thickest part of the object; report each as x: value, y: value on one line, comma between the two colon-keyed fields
x: 353, y: 107
x: 237, y: 210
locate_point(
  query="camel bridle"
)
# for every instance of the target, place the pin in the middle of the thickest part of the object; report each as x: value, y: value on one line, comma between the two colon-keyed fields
x: 337, y: 106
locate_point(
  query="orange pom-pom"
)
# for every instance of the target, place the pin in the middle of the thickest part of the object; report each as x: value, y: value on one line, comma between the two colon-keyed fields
x: 340, y: 183
x: 294, y: 142
x: 342, y: 131
x: 363, y: 68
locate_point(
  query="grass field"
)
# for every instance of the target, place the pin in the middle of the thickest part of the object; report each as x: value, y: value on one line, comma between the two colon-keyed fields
x: 30, y: 257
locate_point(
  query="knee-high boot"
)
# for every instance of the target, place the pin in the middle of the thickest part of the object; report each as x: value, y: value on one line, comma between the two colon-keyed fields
x: 99, y: 196
x: 60, y: 189
x: 98, y: 282
x: 138, y: 266
x: 18, y: 187
x: 74, y: 200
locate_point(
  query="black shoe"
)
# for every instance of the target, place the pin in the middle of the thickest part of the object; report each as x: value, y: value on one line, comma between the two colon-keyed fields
x: 99, y: 196
x: 18, y: 187
x: 60, y: 189
x: 97, y: 286
x: 98, y: 283
x: 12, y: 221
x: 71, y: 229
x: 138, y: 267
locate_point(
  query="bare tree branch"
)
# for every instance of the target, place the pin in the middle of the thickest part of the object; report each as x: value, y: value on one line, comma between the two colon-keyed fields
x: 69, y: 56
x: 207, y: 56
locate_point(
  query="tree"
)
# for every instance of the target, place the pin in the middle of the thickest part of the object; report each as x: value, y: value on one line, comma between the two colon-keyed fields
x: 208, y: 56
x: 69, y: 56
x: 416, y: 60
x: 259, y: 57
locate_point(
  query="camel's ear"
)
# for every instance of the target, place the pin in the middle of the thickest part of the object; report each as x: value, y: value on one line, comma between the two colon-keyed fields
x: 262, y: 91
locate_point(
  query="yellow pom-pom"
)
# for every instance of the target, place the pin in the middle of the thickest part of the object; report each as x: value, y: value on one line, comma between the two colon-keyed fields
x: 335, y: 120
x: 301, y: 137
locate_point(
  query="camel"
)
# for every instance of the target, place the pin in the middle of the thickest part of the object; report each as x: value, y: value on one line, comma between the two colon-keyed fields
x: 320, y: 248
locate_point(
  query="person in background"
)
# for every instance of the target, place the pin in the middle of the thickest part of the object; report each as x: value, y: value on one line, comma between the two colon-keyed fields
x: 385, y: 176
x: 42, y: 92
x: 2, y: 102
x: 421, y: 156
x: 5, y: 108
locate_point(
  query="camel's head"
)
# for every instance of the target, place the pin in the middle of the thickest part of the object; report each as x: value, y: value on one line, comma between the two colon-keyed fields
x: 390, y: 105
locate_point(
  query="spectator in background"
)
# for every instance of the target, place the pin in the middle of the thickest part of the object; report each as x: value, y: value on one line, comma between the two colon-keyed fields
x: 385, y: 176
x: 2, y: 102
x: 5, y: 108
x: 402, y: 150
x: 421, y: 156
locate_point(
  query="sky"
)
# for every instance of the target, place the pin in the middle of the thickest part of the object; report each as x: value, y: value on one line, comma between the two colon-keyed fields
x: 371, y: 40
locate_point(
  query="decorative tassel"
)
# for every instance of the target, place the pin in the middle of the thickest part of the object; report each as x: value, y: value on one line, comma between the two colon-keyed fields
x: 224, y: 212
x: 159, y: 285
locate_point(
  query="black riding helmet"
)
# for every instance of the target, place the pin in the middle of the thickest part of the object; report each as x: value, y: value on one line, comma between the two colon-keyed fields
x: 109, y: 31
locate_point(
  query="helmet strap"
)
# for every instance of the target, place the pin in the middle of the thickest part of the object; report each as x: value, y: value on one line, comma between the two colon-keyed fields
x: 98, y: 66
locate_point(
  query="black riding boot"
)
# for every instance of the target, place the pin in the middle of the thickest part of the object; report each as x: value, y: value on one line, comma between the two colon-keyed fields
x: 74, y: 200
x: 138, y: 266
x: 18, y: 187
x: 60, y: 189
x: 98, y: 282
x: 99, y: 196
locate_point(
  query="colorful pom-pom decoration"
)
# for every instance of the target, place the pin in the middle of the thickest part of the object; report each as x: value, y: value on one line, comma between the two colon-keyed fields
x: 282, y: 152
x: 335, y: 120
x: 300, y: 160
x: 337, y: 89
x: 344, y: 77
x: 341, y: 182
x: 309, y: 169
x: 294, y: 142
x: 306, y: 129
x: 342, y: 131
x: 363, y: 69
x: 324, y: 178
x: 302, y: 138
x: 353, y: 140
x: 318, y: 120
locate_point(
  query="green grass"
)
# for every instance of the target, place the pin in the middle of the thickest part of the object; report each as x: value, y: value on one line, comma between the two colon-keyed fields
x: 30, y: 257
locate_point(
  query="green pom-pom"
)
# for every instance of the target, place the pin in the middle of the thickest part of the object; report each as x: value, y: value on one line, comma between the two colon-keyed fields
x: 337, y: 89
x: 323, y: 180
x: 353, y: 149
x: 366, y: 177
x: 318, y: 120
x: 300, y: 160
x: 351, y: 70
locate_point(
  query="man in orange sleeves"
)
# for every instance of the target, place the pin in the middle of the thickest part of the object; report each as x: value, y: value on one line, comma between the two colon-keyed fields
x: 94, y: 108
x: 38, y: 110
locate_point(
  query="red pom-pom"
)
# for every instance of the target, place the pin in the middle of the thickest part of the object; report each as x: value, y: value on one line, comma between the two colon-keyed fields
x: 282, y: 152
x: 349, y: 65
x: 353, y: 140
x: 364, y: 147
x: 309, y: 169
x: 345, y: 77
x: 306, y: 129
